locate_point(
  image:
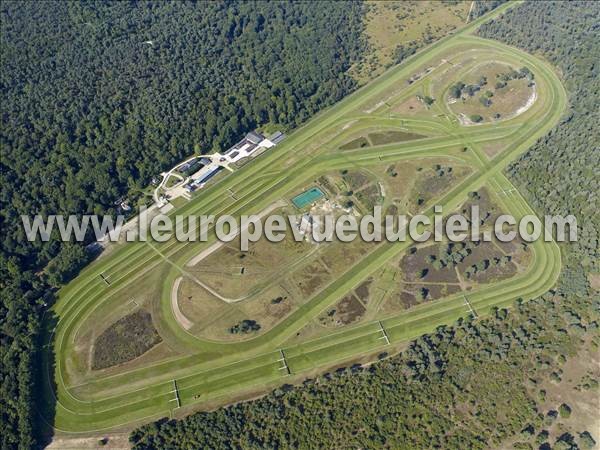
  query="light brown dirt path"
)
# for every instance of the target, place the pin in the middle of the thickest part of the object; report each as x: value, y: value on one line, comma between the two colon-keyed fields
x: 217, y: 245
x: 181, y: 319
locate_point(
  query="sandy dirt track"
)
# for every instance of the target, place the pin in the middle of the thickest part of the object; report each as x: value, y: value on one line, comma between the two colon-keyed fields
x: 181, y: 319
x: 217, y: 245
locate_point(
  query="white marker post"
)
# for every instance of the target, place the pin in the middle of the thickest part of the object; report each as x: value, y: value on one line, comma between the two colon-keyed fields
x: 470, y: 307
x: 283, y: 362
x: 507, y: 191
x: 176, y: 399
x: 105, y: 279
x: 383, y: 332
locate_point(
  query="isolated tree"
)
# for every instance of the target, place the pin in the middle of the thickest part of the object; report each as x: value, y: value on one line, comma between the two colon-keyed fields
x: 586, y: 441
x: 564, y: 410
x: 456, y: 89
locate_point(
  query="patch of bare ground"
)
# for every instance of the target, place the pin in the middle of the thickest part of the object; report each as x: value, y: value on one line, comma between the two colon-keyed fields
x: 416, y: 266
x: 310, y: 284
x: 463, y: 264
x: 359, y: 142
x: 278, y: 308
x: 486, y: 263
x: 433, y: 181
x: 362, y: 291
x: 594, y: 279
x: 392, y: 136
x: 431, y: 292
x: 488, y: 210
x: 111, y: 441
x: 125, y: 340
x: 410, y: 107
x: 369, y: 196
x: 583, y: 402
x: 414, y: 294
x: 575, y: 385
x: 395, y: 302
x: 491, y: 92
x: 355, y: 179
x: 407, y: 299
x: 396, y: 29
x: 493, y: 149
x: 346, y: 311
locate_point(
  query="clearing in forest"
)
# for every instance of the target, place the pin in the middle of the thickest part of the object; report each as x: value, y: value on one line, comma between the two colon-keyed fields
x: 399, y: 143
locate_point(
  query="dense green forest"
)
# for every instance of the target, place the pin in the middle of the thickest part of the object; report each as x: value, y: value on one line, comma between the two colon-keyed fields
x: 475, y: 384
x: 560, y: 173
x: 98, y: 97
x: 481, y: 7
x: 469, y: 386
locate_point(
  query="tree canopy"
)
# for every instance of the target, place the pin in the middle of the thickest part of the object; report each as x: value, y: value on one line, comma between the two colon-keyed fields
x: 469, y: 385
x: 98, y: 97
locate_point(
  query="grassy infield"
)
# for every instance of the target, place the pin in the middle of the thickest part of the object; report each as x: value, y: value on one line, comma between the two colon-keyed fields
x: 215, y: 372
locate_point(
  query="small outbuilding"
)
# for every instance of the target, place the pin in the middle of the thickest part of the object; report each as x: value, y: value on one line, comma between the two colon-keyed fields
x: 254, y: 137
x: 277, y: 137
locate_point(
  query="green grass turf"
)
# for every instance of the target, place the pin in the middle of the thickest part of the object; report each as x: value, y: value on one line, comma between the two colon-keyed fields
x: 214, y: 370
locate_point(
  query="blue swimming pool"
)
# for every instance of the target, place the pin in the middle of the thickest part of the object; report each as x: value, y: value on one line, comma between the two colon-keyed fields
x: 307, y: 197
